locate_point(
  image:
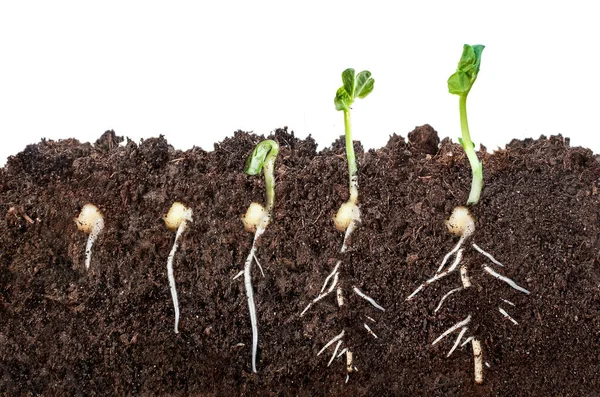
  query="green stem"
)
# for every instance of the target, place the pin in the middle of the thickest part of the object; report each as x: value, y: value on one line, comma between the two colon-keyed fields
x: 352, y: 171
x: 269, y: 177
x: 469, y: 147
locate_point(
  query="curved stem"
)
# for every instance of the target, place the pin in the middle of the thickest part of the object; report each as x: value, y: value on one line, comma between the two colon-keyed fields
x: 269, y: 175
x: 469, y: 147
x: 352, y: 171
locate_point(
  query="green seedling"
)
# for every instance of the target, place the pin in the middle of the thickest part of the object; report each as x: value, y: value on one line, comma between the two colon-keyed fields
x: 176, y: 219
x: 90, y: 221
x: 462, y: 224
x: 256, y: 220
x: 460, y: 83
x: 355, y: 86
x: 348, y: 216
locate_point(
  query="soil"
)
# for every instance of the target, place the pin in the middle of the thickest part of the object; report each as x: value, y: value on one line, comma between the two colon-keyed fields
x: 109, y: 331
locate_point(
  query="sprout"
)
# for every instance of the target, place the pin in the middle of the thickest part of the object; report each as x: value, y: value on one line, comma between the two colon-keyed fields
x: 355, y: 86
x: 460, y: 83
x: 90, y: 221
x: 348, y: 216
x: 176, y: 219
x: 256, y: 220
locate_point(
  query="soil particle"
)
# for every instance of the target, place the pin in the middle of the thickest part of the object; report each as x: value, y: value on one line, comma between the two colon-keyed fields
x: 109, y: 331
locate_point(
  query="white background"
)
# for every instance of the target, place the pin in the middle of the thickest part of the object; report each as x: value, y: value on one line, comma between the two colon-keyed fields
x: 197, y: 71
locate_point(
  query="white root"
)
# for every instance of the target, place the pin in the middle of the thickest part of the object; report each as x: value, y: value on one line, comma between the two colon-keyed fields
x: 259, y: 266
x: 458, y: 339
x: 331, y: 342
x: 439, y: 306
x: 371, y: 318
x: 438, y: 276
x: 487, y: 255
x: 507, y: 316
x: 241, y: 273
x: 335, y: 269
x: 250, y: 295
x: 96, y: 230
x: 370, y: 331
x: 469, y: 339
x: 334, y: 353
x: 340, y: 297
x: 171, y: 276
x: 322, y: 295
x: 349, y: 231
x: 367, y: 298
x: 507, y: 302
x: 450, y: 330
x: 340, y: 354
x: 505, y: 279
x: 449, y: 254
x: 478, y: 361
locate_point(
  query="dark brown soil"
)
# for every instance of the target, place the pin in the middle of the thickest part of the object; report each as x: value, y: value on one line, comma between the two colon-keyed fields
x: 65, y: 331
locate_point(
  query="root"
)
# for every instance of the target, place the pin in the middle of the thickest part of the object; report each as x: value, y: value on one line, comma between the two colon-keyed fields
x: 170, y: 274
x: 438, y: 276
x: 370, y: 331
x: 334, y: 352
x: 250, y: 295
x: 322, y: 295
x: 439, y: 306
x: 349, y: 231
x: 450, y: 330
x: 505, y: 279
x: 458, y: 339
x: 507, y: 316
x: 487, y: 255
x: 331, y: 342
x: 449, y: 254
x: 478, y: 361
x: 367, y: 298
x: 96, y: 229
x: 340, y: 297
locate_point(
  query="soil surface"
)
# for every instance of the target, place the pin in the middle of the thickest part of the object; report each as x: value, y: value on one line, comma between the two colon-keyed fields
x: 109, y: 331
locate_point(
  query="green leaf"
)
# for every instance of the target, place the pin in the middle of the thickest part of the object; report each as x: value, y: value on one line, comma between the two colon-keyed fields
x: 349, y: 81
x: 364, y: 84
x: 355, y: 86
x: 461, y: 82
x: 256, y: 160
x: 342, y: 100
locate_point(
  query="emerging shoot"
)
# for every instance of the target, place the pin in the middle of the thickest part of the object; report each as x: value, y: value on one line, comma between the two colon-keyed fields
x: 90, y: 221
x: 256, y: 220
x: 176, y: 220
x: 348, y: 216
x: 355, y: 86
x: 460, y: 83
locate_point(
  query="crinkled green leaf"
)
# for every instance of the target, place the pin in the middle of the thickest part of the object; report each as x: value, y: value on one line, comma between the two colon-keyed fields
x: 462, y: 80
x: 364, y: 84
x: 348, y: 77
x: 355, y: 86
x: 256, y: 160
x: 342, y: 100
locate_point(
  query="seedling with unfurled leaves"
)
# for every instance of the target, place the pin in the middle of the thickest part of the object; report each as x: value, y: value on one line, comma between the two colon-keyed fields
x: 462, y: 223
x: 256, y: 220
x: 176, y: 219
x: 90, y: 221
x: 348, y: 216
